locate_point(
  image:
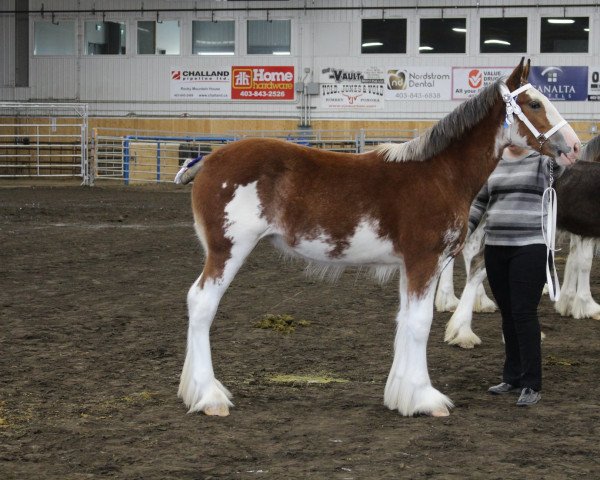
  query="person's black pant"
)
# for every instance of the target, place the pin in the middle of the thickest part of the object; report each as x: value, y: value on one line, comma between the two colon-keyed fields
x: 517, y: 276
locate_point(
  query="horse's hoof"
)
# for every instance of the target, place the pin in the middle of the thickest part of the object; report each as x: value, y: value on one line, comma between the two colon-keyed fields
x: 217, y: 411
x: 440, y: 413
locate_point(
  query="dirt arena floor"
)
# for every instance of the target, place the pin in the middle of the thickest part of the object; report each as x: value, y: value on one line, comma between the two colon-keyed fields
x: 93, y: 321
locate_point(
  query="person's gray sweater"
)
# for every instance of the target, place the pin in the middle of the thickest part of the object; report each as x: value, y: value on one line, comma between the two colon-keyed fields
x: 512, y: 198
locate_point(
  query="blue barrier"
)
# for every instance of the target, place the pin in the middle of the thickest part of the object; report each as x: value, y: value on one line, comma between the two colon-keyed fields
x: 132, y: 138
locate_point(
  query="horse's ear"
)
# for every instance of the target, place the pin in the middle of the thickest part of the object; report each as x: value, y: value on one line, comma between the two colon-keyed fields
x: 514, y: 80
x: 525, y: 73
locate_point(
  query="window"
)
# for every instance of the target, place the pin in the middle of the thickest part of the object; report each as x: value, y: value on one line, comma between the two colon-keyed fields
x: 383, y: 36
x: 503, y: 35
x: 565, y: 35
x: 269, y: 37
x: 213, y: 38
x: 443, y: 35
x: 54, y: 38
x: 104, y: 38
x: 161, y: 38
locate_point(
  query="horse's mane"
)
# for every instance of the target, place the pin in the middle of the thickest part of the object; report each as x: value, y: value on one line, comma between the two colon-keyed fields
x: 591, y: 151
x: 447, y: 130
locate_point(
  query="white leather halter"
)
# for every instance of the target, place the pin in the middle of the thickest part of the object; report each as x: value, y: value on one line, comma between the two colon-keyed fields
x: 549, y: 200
x: 513, y: 108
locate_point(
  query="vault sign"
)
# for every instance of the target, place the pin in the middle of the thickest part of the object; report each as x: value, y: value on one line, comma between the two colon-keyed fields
x: 262, y: 83
x: 341, y: 88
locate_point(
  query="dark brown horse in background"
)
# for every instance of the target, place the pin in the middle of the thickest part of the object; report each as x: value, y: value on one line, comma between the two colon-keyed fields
x: 578, y: 215
x: 399, y: 208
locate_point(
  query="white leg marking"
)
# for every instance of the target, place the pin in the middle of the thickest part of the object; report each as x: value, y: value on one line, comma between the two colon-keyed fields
x: 408, y: 387
x: 584, y: 305
x: 458, y: 329
x: 483, y: 303
x: 445, y: 299
x: 564, y: 305
x: 198, y: 387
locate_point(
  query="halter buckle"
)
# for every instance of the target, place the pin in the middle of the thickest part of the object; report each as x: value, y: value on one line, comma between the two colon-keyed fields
x: 542, y: 138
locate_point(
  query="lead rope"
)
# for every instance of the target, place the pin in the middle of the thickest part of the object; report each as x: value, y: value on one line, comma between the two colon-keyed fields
x: 549, y: 197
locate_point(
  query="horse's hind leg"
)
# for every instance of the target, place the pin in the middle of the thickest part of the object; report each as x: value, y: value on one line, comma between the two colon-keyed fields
x: 584, y: 305
x: 198, y: 387
x: 564, y: 305
x: 445, y: 299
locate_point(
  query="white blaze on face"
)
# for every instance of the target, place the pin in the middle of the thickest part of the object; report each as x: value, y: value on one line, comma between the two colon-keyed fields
x: 554, y: 118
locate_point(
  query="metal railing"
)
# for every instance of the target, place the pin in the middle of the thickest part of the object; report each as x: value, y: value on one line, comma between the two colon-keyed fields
x: 51, y: 140
x: 133, y: 156
x: 44, y: 140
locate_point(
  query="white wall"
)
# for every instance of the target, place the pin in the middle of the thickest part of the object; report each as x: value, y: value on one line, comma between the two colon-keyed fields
x: 117, y: 85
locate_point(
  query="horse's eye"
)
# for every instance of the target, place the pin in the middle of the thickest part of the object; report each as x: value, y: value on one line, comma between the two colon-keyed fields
x: 535, y: 105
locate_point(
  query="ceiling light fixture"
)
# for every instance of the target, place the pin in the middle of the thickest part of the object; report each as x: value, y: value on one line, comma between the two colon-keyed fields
x: 495, y: 41
x: 564, y: 21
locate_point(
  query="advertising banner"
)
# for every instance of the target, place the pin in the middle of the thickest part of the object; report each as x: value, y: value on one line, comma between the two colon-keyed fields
x: 561, y: 83
x: 361, y: 88
x: 418, y: 83
x: 262, y: 83
x: 594, y: 84
x: 468, y: 81
x: 200, y: 84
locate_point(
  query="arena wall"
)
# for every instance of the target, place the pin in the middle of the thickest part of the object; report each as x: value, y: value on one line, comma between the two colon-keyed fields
x: 139, y: 85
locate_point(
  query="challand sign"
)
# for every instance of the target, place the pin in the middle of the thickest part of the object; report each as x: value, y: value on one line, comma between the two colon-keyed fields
x: 418, y: 83
x: 200, y: 84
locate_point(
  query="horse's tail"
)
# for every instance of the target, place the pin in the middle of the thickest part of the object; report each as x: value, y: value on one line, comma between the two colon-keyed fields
x: 189, y: 170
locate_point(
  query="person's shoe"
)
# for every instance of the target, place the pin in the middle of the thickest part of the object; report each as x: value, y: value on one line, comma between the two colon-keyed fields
x: 503, y: 388
x: 528, y: 397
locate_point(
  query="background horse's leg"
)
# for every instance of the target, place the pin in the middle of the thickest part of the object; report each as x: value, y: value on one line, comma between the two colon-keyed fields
x: 483, y: 303
x: 564, y: 305
x: 458, y: 329
x: 198, y: 387
x: 473, y: 247
x: 445, y: 299
x: 408, y: 388
x: 584, y: 305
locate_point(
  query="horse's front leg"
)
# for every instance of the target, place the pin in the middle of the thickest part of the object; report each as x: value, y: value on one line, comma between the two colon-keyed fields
x: 458, y: 329
x: 408, y: 387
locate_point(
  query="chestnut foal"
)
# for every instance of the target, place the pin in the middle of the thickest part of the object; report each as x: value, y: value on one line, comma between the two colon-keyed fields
x: 399, y: 208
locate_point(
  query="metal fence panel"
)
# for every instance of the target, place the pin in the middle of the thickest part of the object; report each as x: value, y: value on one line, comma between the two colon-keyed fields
x: 135, y: 157
x: 44, y: 140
